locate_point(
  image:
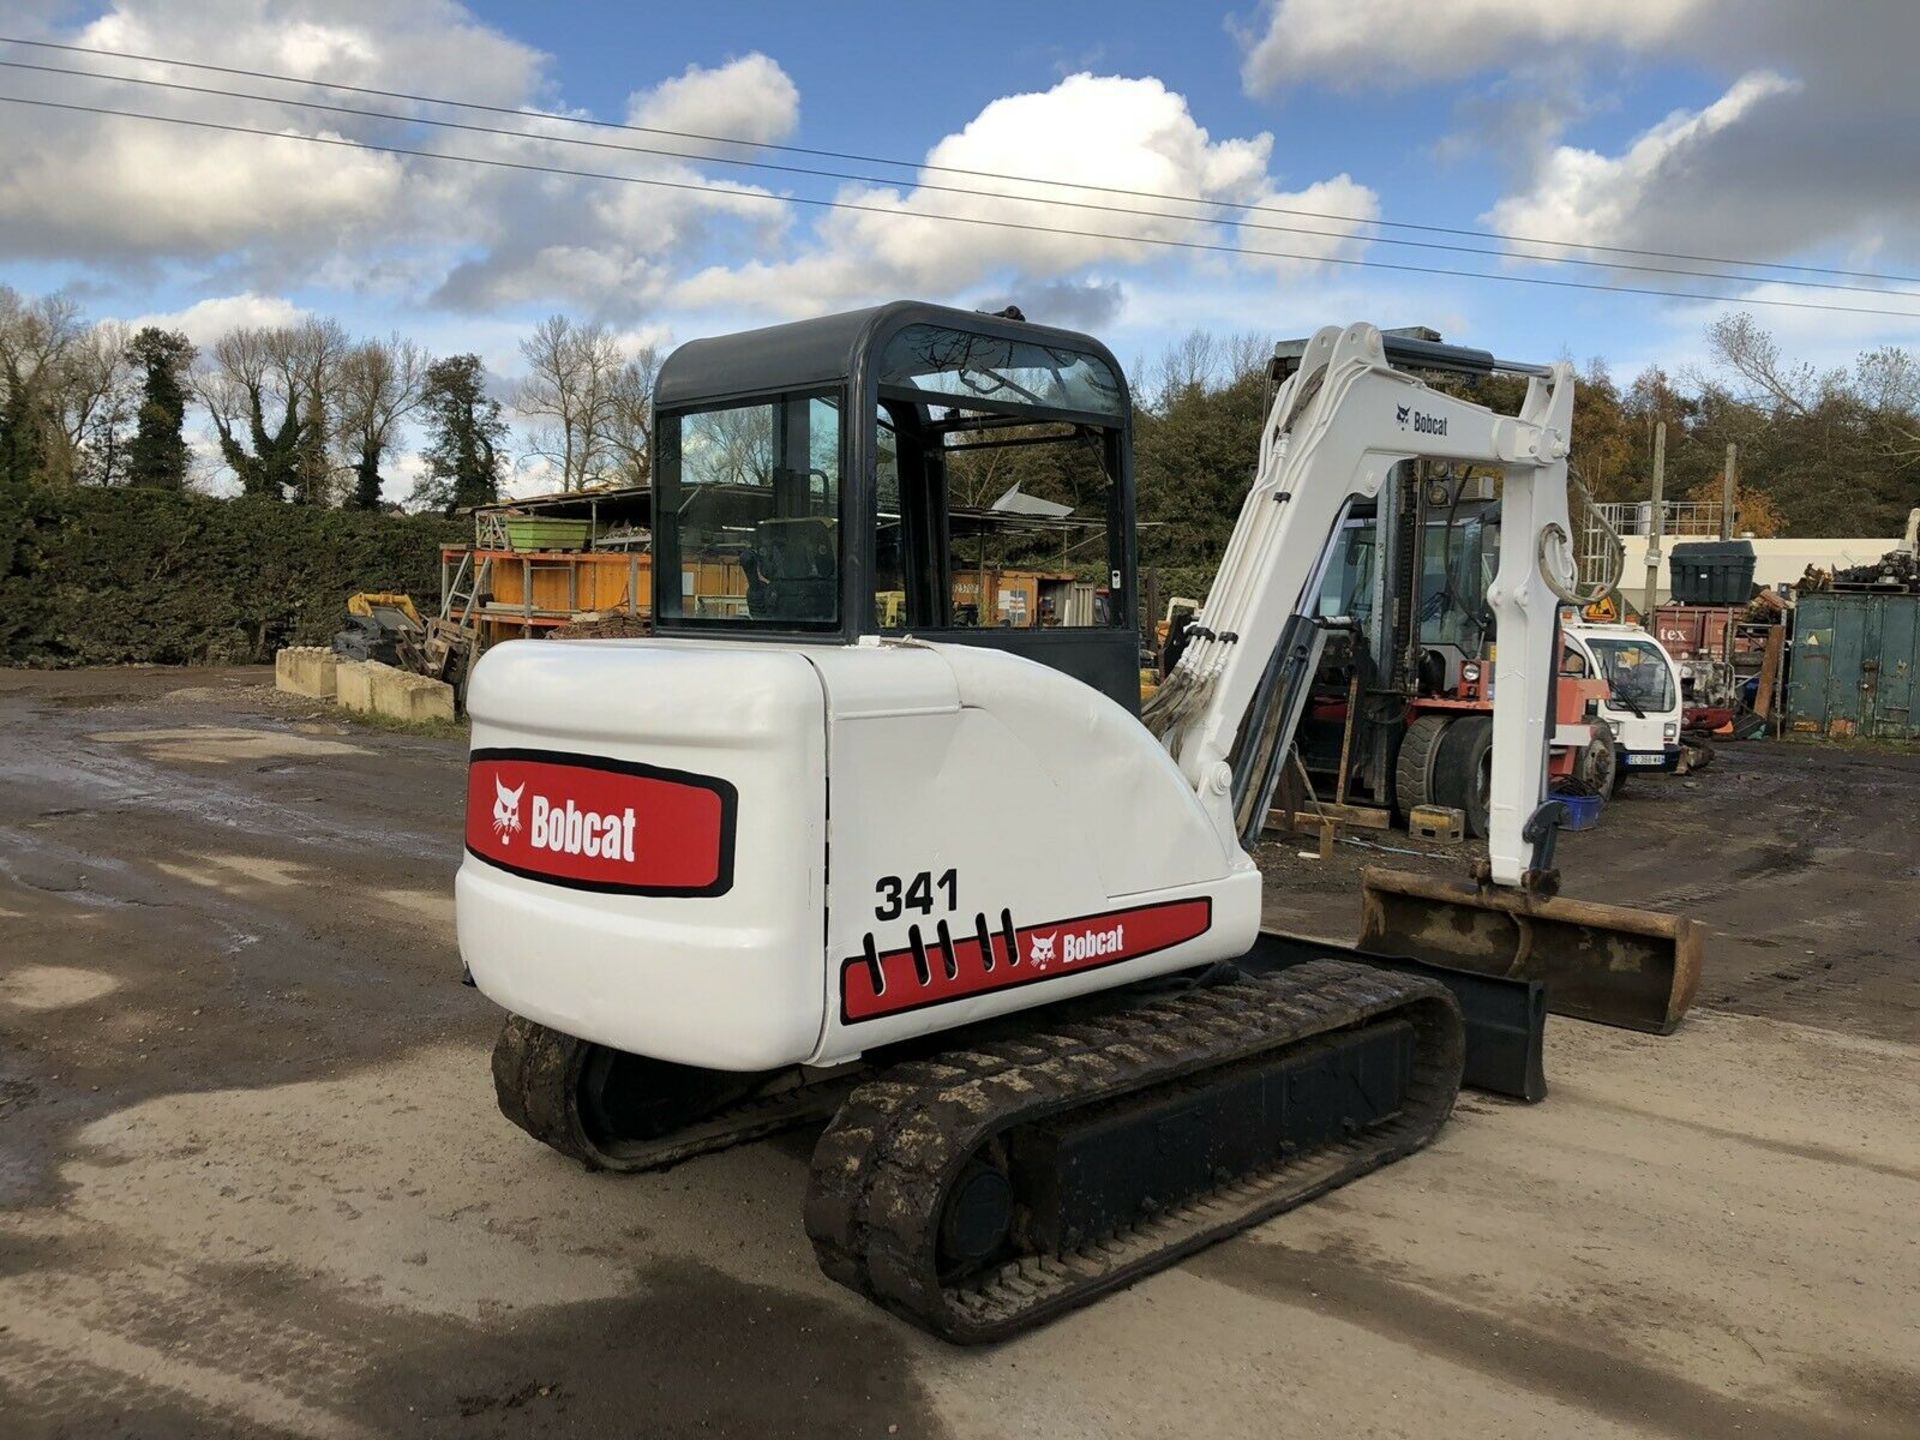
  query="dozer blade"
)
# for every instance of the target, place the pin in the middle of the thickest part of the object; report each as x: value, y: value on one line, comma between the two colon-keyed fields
x: 1609, y: 963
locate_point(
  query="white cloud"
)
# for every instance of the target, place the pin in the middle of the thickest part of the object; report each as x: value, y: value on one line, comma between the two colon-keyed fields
x: 1802, y: 153
x: 1579, y: 194
x: 125, y: 195
x: 1358, y: 44
x: 624, y: 242
x: 751, y: 98
x: 207, y: 320
x: 115, y: 190
x: 1128, y: 135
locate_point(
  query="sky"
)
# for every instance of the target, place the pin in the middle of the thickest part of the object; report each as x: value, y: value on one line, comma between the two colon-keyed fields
x: 1747, y: 131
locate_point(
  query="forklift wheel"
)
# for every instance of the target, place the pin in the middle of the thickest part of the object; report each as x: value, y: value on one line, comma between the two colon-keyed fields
x: 1413, y: 768
x: 1463, y: 771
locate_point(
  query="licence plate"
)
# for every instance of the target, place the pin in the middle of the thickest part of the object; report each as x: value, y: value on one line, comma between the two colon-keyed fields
x: 1645, y: 759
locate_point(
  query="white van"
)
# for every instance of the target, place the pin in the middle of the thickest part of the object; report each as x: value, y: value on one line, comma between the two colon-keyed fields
x: 1642, y: 707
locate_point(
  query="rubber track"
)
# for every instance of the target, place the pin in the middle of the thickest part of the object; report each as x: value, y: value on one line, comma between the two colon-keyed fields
x: 882, y: 1169
x: 536, y: 1077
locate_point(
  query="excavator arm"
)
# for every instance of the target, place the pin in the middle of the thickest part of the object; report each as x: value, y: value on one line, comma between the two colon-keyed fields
x: 1340, y: 423
x: 1229, y: 710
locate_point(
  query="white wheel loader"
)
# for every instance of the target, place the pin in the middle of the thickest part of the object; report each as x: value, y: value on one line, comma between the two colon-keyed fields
x: 938, y: 880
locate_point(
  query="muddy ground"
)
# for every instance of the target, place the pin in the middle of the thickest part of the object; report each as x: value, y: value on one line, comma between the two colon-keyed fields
x: 252, y: 1181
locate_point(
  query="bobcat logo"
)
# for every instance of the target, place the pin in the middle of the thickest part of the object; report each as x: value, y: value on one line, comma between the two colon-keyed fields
x: 1400, y: 413
x: 506, y: 810
x: 1040, y: 949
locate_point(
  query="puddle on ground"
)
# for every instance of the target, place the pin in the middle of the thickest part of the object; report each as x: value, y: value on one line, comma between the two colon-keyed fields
x: 215, y: 745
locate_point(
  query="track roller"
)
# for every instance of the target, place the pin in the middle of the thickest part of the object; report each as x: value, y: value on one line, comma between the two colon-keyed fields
x: 988, y: 1189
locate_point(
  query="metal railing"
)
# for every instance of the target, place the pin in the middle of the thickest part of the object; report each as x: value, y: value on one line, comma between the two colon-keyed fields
x: 1694, y: 518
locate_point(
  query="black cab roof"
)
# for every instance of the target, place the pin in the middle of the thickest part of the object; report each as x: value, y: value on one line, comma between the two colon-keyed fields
x: 806, y: 354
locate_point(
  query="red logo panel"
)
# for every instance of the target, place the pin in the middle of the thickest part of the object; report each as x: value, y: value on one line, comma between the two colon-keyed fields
x: 945, y: 965
x: 595, y: 824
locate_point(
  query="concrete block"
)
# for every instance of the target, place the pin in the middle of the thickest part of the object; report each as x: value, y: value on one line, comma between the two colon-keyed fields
x: 353, y: 684
x: 368, y: 685
x: 405, y: 696
x: 305, y: 670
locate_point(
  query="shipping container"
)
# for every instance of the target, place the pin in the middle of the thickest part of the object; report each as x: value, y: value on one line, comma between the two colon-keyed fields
x: 1854, y: 658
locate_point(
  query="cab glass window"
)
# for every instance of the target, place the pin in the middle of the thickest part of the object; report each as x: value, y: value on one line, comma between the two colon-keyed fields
x: 996, y: 495
x: 1346, y: 589
x: 936, y: 361
x: 1458, y: 563
x: 1637, y: 674
x: 747, y: 506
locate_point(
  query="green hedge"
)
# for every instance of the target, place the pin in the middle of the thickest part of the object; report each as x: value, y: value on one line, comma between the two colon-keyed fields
x: 106, y: 577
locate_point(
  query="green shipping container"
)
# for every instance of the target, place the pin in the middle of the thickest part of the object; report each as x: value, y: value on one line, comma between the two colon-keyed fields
x: 1854, y: 658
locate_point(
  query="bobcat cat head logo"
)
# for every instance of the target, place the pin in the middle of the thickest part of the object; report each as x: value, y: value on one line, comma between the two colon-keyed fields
x: 1400, y: 413
x: 1040, y: 948
x: 506, y: 810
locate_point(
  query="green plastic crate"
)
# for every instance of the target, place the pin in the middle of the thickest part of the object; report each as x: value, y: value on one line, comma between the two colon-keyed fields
x: 531, y: 532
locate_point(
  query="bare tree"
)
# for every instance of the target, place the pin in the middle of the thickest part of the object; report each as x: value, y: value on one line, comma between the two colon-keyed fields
x: 380, y: 383
x: 630, y: 419
x: 1738, y: 344
x: 1191, y: 363
x: 1246, y: 352
x: 99, y: 398
x: 1889, y: 387
x: 573, y: 373
x: 270, y: 389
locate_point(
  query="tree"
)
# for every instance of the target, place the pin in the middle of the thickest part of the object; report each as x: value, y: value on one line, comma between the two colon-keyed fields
x: 36, y: 339
x: 157, y: 455
x: 630, y: 418
x: 1754, y: 512
x: 1603, y: 437
x: 1832, y: 449
x: 1195, y: 452
x: 380, y: 383
x: 573, y: 375
x: 464, y: 437
x: 269, y: 388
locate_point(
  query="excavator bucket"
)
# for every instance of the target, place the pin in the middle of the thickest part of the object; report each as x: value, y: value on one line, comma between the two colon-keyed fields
x: 1609, y: 963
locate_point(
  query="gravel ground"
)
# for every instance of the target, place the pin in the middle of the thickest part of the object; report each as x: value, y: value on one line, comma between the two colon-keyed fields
x: 252, y: 1181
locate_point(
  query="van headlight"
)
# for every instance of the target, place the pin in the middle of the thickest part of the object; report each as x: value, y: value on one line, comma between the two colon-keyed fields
x: 1670, y: 730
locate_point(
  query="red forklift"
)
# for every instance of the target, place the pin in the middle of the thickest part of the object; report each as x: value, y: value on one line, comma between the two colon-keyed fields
x: 1402, y: 709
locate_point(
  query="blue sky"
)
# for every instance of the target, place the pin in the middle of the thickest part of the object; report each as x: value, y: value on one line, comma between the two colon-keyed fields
x: 1732, y: 128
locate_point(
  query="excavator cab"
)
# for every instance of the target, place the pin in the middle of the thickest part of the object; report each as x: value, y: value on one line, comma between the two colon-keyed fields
x: 906, y: 469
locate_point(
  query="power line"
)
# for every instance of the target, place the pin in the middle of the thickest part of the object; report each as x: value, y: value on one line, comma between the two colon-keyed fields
x: 530, y: 167
x: 1244, y: 206
x: 819, y: 173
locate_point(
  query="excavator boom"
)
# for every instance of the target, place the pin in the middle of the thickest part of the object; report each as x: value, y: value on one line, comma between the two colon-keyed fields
x: 1229, y: 711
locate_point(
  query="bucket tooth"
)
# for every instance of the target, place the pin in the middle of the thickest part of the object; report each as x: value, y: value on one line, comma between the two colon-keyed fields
x: 1608, y: 963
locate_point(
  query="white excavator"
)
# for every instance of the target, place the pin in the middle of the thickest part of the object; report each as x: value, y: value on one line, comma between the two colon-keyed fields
x: 936, y: 878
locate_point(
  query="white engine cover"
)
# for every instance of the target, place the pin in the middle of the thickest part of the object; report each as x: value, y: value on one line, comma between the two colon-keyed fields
x: 748, y: 856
